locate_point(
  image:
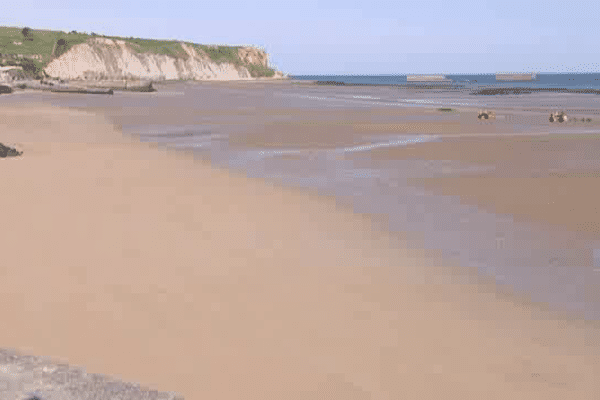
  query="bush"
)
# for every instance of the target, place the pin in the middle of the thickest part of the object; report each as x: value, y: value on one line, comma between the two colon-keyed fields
x: 27, y: 34
x: 32, y: 68
x: 61, y: 47
x: 257, y: 71
x: 222, y: 54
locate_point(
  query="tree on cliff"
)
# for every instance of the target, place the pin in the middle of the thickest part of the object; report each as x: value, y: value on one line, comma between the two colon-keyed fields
x: 60, y: 48
x: 26, y: 33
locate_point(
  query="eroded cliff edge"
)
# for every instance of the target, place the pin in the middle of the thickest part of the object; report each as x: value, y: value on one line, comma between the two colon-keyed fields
x: 111, y: 59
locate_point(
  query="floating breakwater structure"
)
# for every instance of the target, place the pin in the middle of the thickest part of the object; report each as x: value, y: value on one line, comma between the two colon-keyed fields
x: 528, y: 76
x: 427, y: 79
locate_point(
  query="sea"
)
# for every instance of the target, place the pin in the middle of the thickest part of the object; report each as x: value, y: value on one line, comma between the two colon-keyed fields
x: 207, y: 117
x: 541, y: 80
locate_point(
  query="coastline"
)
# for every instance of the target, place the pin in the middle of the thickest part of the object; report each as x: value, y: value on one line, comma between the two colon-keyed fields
x: 108, y: 86
x: 201, y: 282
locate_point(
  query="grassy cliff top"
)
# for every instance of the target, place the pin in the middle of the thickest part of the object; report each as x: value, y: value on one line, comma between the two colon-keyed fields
x: 33, y: 49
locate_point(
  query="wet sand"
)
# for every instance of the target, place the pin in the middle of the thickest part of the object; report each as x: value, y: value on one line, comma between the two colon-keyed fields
x: 150, y: 265
x: 547, y: 178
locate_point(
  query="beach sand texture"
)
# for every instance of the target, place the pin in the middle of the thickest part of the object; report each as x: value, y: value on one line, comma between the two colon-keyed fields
x: 144, y: 263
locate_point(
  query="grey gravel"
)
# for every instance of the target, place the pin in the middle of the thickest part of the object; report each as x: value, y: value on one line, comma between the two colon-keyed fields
x: 26, y: 377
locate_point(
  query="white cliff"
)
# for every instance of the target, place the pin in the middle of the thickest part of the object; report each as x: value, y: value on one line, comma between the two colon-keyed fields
x: 102, y: 58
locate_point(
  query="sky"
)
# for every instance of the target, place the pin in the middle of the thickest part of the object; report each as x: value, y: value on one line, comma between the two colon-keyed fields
x: 351, y: 37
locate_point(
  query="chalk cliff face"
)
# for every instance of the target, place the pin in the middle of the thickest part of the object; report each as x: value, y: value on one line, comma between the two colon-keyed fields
x: 251, y: 55
x: 102, y: 58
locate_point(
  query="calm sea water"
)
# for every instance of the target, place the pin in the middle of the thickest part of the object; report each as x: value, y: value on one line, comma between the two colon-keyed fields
x: 543, y: 80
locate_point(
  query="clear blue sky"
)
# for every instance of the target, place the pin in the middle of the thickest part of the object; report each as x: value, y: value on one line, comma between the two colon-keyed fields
x: 352, y: 36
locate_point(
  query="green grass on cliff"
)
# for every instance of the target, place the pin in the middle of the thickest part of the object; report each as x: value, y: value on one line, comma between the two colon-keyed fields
x: 228, y: 54
x: 222, y: 54
x: 166, y: 47
x: 260, y: 71
x: 34, y: 51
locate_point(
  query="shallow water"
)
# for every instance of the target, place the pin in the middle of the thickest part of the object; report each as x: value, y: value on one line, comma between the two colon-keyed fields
x: 207, y: 119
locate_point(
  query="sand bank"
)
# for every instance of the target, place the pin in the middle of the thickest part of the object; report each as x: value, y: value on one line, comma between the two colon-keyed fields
x: 149, y: 265
x: 546, y: 178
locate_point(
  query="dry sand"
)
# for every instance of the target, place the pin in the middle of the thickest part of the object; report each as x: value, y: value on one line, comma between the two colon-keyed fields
x: 149, y: 265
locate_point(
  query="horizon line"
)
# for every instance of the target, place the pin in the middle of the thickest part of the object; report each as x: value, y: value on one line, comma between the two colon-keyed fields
x: 447, y: 73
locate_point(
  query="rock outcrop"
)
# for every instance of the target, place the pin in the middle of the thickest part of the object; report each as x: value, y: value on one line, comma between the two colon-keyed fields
x: 9, y: 151
x: 103, y: 58
x: 11, y: 73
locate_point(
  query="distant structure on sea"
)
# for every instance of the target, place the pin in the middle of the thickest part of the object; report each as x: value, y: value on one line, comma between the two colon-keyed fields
x: 529, y: 76
x: 428, y: 78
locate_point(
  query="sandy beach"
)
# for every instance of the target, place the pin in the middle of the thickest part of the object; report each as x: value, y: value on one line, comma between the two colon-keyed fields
x: 151, y: 265
x: 545, y: 178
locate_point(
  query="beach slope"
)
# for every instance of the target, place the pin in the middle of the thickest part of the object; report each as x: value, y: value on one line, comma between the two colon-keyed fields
x: 152, y: 266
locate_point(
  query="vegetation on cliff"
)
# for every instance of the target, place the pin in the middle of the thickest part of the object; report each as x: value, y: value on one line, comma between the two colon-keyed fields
x: 33, y: 49
x: 229, y: 54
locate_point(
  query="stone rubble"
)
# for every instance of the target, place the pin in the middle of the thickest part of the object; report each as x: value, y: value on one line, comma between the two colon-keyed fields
x: 26, y: 377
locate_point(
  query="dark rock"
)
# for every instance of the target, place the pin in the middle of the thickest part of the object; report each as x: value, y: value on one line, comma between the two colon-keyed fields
x: 142, y: 88
x: 82, y: 90
x: 518, y: 90
x: 335, y: 83
x: 5, y: 89
x: 6, y: 151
